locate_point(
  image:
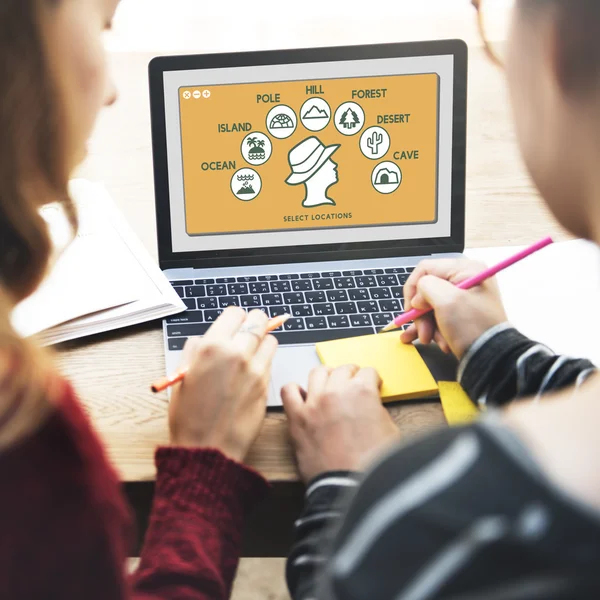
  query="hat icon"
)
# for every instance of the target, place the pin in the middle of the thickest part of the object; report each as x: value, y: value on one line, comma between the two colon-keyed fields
x: 307, y: 158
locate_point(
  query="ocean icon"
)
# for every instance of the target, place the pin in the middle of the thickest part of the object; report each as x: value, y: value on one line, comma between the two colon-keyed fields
x: 281, y: 122
x: 246, y: 184
x: 386, y: 177
x: 315, y: 114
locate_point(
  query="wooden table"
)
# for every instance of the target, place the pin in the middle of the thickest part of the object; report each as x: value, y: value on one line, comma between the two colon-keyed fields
x: 111, y: 372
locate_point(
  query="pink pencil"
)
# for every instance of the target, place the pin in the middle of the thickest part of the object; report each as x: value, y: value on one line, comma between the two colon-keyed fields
x: 413, y: 314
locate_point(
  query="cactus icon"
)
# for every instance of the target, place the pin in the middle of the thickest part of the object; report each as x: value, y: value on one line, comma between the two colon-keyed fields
x: 374, y: 141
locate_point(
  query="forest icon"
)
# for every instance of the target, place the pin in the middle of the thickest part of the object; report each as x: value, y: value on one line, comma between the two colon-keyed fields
x: 349, y: 118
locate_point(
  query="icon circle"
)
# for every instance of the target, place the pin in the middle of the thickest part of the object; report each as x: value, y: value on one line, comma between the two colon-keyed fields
x: 281, y: 122
x: 349, y: 118
x: 246, y: 184
x: 206, y: 93
x: 375, y: 142
x: 196, y: 94
x: 256, y: 148
x: 187, y: 95
x: 315, y: 114
x: 386, y: 177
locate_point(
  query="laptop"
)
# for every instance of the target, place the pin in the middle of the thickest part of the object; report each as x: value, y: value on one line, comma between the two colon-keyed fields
x: 308, y: 182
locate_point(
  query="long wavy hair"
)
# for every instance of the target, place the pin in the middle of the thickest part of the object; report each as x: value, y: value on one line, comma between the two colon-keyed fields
x: 33, y: 171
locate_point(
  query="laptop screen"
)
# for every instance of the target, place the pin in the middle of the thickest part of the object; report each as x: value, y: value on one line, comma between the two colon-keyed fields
x: 304, y: 154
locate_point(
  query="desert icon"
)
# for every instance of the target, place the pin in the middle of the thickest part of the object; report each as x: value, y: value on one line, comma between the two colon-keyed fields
x: 386, y: 177
x: 349, y: 118
x: 281, y: 121
x: 315, y: 114
x: 256, y: 148
x: 246, y: 184
x: 312, y: 165
x: 375, y: 142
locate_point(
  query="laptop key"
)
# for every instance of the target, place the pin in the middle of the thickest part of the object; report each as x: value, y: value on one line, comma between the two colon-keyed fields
x: 323, y: 284
x: 360, y: 294
x: 289, y: 276
x: 302, y: 310
x: 314, y: 297
x: 294, y: 325
x: 226, y: 280
x: 317, y: 323
x: 280, y: 286
x: 277, y: 311
x: 360, y: 321
x: 187, y: 330
x: 180, y: 292
x: 343, y: 283
x: 312, y: 336
x: 268, y: 278
x: 338, y: 322
x: 182, y: 282
x: 331, y: 274
x: 303, y: 285
x: 352, y: 273
x: 263, y: 308
x: 392, y: 305
x: 294, y: 298
x: 190, y: 303
x: 212, y: 315
x: 195, y: 290
x: 410, y: 269
x: 398, y: 292
x: 204, y: 281
x: 310, y: 275
x: 402, y: 279
x: 337, y: 296
x: 367, y: 307
x: 346, y: 308
x: 250, y: 301
x: 387, y: 280
x: 367, y: 281
x: 324, y: 309
x: 190, y: 316
x: 380, y: 293
x: 382, y: 319
x: 215, y: 290
x: 262, y: 287
x: 208, y: 302
x: 237, y: 289
x: 373, y: 271
x: 177, y: 343
x: 225, y: 301
x: 246, y: 279
x: 272, y: 299
x: 396, y: 270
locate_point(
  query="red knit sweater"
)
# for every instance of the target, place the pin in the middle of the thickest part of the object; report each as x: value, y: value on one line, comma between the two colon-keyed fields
x: 65, y: 529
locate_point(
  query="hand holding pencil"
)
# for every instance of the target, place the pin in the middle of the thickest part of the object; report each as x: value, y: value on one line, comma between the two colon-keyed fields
x: 222, y: 401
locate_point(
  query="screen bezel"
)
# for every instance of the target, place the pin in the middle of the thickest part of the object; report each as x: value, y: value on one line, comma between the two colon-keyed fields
x: 321, y: 252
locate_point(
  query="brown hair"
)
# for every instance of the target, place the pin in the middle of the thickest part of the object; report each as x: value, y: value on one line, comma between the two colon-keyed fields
x: 33, y: 172
x: 578, y: 33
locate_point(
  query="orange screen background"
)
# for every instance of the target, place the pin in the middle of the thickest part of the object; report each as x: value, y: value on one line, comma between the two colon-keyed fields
x: 210, y: 205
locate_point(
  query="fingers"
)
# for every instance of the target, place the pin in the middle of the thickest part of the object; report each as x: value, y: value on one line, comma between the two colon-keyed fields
x: 370, y: 377
x: 252, y: 333
x: 440, y: 340
x: 342, y: 375
x: 227, y: 325
x: 263, y: 358
x: 409, y: 335
x: 293, y: 402
x: 317, y: 380
x: 426, y: 329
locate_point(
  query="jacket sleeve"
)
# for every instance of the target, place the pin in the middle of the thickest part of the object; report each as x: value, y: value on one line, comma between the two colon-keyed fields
x: 192, y: 545
x: 504, y: 365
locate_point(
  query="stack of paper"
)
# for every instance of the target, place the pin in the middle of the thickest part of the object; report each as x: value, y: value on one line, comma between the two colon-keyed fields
x: 105, y: 279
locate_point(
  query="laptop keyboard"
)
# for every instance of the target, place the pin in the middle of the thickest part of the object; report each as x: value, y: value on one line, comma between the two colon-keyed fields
x: 323, y: 305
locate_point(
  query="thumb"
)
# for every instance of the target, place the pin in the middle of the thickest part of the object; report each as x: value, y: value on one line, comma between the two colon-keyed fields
x: 435, y: 293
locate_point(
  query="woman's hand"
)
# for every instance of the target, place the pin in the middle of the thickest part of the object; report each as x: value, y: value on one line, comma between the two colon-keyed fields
x: 339, y: 424
x: 460, y: 316
x: 222, y: 400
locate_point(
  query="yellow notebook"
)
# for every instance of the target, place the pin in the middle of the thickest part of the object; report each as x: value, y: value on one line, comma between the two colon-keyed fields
x: 458, y: 407
x: 404, y: 373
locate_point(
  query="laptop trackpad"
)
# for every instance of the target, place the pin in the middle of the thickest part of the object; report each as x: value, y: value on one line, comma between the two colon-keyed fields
x: 292, y: 364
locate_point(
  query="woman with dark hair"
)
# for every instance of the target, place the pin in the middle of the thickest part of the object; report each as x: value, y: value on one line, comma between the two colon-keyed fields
x: 65, y: 529
x: 508, y: 508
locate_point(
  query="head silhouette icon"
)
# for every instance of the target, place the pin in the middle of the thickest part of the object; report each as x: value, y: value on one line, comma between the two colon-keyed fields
x: 311, y: 165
